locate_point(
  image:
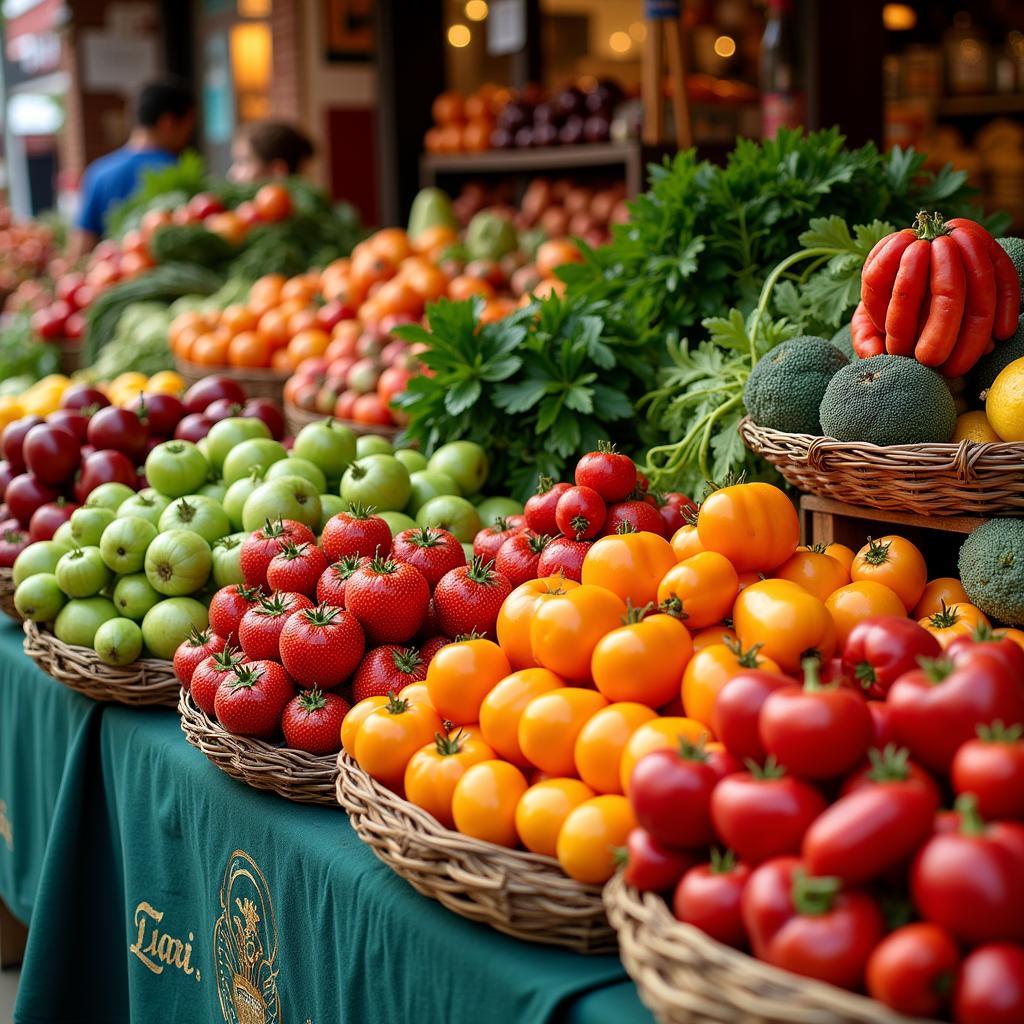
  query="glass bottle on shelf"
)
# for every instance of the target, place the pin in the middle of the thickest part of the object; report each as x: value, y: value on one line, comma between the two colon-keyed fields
x: 782, y: 98
x: 968, y: 57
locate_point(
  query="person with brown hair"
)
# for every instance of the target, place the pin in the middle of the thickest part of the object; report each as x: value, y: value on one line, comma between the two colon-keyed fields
x: 268, y: 149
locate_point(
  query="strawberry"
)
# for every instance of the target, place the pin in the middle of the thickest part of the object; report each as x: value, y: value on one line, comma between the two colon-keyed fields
x: 321, y: 646
x: 388, y: 669
x: 296, y: 568
x: 519, y: 556
x: 261, y: 546
x: 430, y: 625
x: 563, y: 556
x: 355, y: 532
x: 389, y: 598
x: 192, y: 651
x: 611, y: 474
x: 251, y: 700
x: 539, y: 511
x: 430, y: 647
x: 638, y: 516
x: 430, y: 549
x: 488, y: 541
x: 469, y: 598
x: 312, y: 722
x: 228, y: 606
x: 210, y: 673
x: 330, y: 588
x: 580, y: 513
x: 260, y: 629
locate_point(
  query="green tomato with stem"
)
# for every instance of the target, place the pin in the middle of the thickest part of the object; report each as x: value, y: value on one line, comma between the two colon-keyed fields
x: 118, y: 642
x: 412, y: 459
x: 82, y: 572
x: 426, y: 484
x: 165, y: 625
x: 238, y: 494
x: 134, y: 596
x: 260, y: 451
x: 196, y: 513
x: 112, y: 495
x: 124, y: 543
x: 64, y: 537
x: 227, y: 567
x: 465, y: 462
x: 492, y: 509
x: 215, y: 490
x: 39, y: 597
x: 88, y: 523
x: 39, y: 557
x: 330, y: 506
x: 78, y: 620
x: 373, y: 444
x: 148, y: 504
x: 328, y: 444
x: 178, y: 562
x: 176, y: 468
x: 294, y: 466
x: 227, y: 434
x: 289, y: 497
x: 397, y: 522
x: 377, y: 480
x: 449, y: 512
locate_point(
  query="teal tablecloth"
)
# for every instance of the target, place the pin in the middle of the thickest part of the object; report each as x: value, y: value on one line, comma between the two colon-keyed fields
x: 172, y: 893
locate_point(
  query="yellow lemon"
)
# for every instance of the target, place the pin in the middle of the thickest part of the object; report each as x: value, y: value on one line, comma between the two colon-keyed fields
x: 166, y: 382
x: 10, y: 410
x: 974, y: 426
x: 1004, y: 403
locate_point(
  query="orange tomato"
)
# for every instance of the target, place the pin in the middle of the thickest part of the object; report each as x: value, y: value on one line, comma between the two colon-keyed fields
x: 391, y: 243
x: 895, y: 562
x: 713, y: 635
x: 944, y: 590
x: 548, y: 287
x: 182, y: 344
x: 686, y: 542
x: 497, y: 309
x: 700, y: 590
x: 434, y: 770
x: 840, y: 552
x: 437, y: 237
x: 1016, y: 635
x: 426, y: 280
x: 601, y: 741
x: 465, y: 287
x: 354, y: 719
x: 461, y: 675
x: 209, y: 350
x: 228, y: 225
x: 390, y: 735
x: 784, y: 621
x: 266, y: 292
x: 861, y: 600
x: 188, y: 320
x: 448, y: 107
x: 543, y: 808
x: 485, y: 799
x: 754, y: 525
x: 710, y: 669
x: 303, y: 319
x: 642, y: 661
x: 273, y: 328
x: 369, y: 268
x: 418, y: 693
x: 237, y: 318
x: 550, y: 723
x: 282, y: 361
x: 590, y: 837
x: 630, y: 565
x: 516, y: 615
x: 556, y: 253
x: 308, y: 345
x: 502, y: 708
x: 249, y: 349
x: 658, y: 734
x: 566, y: 628
x: 396, y: 297
x: 819, y: 574
x: 952, y: 621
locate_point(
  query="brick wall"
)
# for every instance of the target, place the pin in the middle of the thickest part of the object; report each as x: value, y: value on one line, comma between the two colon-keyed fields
x: 288, y: 60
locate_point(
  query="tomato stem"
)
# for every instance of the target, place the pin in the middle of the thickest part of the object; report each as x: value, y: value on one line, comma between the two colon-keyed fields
x: 722, y: 861
x: 891, y: 764
x: 999, y: 732
x: 814, y: 895
x: 971, y: 821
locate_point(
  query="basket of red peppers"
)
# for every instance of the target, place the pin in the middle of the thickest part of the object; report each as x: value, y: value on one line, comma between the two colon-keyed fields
x: 862, y: 860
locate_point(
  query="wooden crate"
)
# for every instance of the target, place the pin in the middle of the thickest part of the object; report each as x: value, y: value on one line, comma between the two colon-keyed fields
x: 824, y: 521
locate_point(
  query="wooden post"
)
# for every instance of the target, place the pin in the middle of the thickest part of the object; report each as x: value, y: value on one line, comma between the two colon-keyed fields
x: 664, y: 30
x: 653, y: 68
x: 677, y: 69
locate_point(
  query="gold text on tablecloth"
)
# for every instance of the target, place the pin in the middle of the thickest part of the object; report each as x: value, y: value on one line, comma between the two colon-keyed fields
x: 159, y: 949
x: 6, y: 832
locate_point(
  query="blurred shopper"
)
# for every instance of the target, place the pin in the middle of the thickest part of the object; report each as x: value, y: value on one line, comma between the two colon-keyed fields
x: 164, y: 121
x: 268, y: 149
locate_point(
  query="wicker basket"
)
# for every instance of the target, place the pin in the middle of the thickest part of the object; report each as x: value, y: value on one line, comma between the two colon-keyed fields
x: 685, y: 977
x: 145, y: 682
x: 293, y: 774
x: 521, y: 894
x: 295, y: 419
x: 967, y: 478
x: 257, y: 383
x: 7, y: 589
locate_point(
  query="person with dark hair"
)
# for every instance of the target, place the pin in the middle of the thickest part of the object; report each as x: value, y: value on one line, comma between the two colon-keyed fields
x: 164, y: 122
x: 268, y: 149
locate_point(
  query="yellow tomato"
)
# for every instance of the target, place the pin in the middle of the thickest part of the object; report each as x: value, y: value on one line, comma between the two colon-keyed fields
x: 354, y: 719
x: 550, y: 723
x: 565, y: 629
x: 861, y: 600
x: 700, y: 590
x: 944, y: 590
x: 952, y: 621
x: 819, y: 574
x: 434, y: 770
x: 485, y: 799
x: 840, y: 552
x: 601, y: 741
x: 658, y: 734
x: 516, y: 615
x: 894, y: 562
x: 630, y: 565
x: 503, y: 707
x: 166, y: 382
x: 543, y: 808
x: 389, y: 735
x: 710, y: 669
x: 1016, y: 635
x: 686, y: 542
x: 461, y: 675
x: 754, y: 525
x: 713, y: 635
x: 10, y: 410
x: 591, y: 834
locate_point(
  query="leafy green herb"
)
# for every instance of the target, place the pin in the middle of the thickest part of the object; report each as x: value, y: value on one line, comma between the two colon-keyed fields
x: 22, y: 354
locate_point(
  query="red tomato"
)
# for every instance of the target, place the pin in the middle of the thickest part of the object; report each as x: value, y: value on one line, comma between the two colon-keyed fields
x: 880, y: 649
x: 763, y: 814
x: 709, y: 895
x: 969, y: 881
x: 737, y: 708
x: 889, y: 764
x: 990, y: 988
x: 992, y: 768
x: 650, y: 866
x: 808, y: 925
x: 912, y: 969
x: 984, y: 639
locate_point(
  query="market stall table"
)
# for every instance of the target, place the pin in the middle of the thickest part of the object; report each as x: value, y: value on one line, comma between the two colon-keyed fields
x: 170, y: 892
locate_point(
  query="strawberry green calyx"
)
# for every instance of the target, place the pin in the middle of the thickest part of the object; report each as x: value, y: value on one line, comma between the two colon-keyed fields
x: 312, y: 701
x: 482, y: 572
x: 357, y: 510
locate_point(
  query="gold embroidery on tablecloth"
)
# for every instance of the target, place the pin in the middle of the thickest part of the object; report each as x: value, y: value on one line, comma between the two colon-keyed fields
x: 6, y: 831
x: 156, y: 949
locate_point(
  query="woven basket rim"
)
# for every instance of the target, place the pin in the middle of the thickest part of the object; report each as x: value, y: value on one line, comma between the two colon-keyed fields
x: 247, y: 758
x: 295, y: 414
x: 648, y: 916
x: 258, y: 373
x: 7, y: 589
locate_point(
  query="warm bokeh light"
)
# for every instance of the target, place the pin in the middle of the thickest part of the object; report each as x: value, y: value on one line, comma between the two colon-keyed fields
x: 638, y: 30
x: 251, y: 51
x: 898, y: 17
x: 725, y: 46
x: 620, y: 42
x: 459, y: 36
x: 476, y: 10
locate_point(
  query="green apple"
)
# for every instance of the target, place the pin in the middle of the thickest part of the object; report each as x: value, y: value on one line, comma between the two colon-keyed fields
x: 452, y: 513
x: 134, y: 596
x: 176, y: 468
x: 289, y: 497
x: 78, y: 620
x: 39, y: 557
x: 215, y: 490
x: 425, y: 484
x: 229, y: 433
x: 377, y: 480
x: 227, y: 568
x: 82, y: 572
x: 330, y: 506
x: 373, y: 444
x: 178, y: 562
x: 169, y: 622
x: 411, y: 459
x: 260, y: 451
x: 238, y: 493
x: 491, y: 509
x: 118, y: 642
x: 110, y: 495
x: 397, y: 522
x: 465, y: 462
x: 124, y: 542
x: 196, y: 513
x: 64, y: 537
x: 147, y: 504
x: 293, y: 466
x: 39, y: 597
x: 88, y: 523
x: 327, y: 444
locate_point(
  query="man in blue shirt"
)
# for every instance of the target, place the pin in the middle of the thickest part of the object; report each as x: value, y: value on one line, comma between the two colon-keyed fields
x: 165, y: 120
